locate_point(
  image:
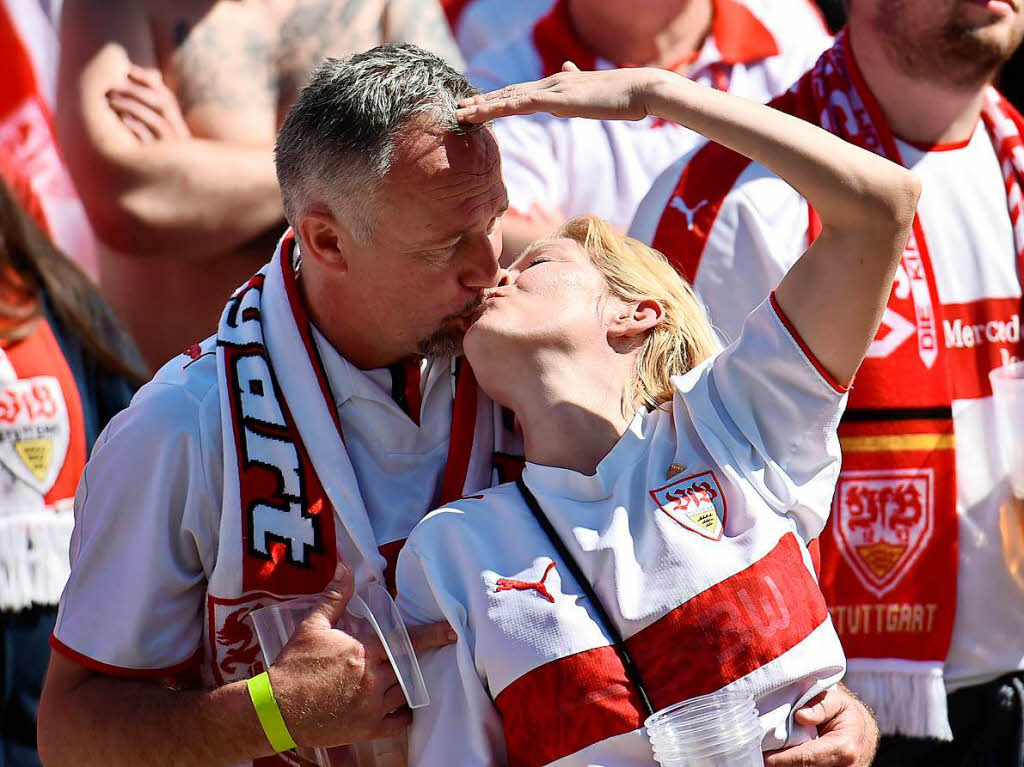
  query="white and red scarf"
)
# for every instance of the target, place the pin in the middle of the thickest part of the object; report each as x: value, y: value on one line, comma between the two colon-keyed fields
x: 889, y: 554
x: 291, y: 501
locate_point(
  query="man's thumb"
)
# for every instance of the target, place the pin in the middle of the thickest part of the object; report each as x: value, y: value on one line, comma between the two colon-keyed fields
x: 334, y: 598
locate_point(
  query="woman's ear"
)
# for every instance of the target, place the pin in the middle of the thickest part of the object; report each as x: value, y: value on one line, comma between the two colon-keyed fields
x: 324, y: 240
x: 633, y: 322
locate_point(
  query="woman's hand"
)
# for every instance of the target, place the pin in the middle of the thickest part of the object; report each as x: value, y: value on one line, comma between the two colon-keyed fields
x: 618, y: 94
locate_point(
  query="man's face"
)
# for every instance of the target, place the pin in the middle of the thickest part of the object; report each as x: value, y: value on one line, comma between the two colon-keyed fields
x: 436, y: 241
x: 959, y: 43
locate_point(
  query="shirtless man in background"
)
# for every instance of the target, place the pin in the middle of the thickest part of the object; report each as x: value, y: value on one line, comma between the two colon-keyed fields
x: 167, y: 114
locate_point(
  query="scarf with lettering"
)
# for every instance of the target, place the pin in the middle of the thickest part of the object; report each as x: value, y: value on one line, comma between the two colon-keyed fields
x: 291, y: 505
x: 889, y: 553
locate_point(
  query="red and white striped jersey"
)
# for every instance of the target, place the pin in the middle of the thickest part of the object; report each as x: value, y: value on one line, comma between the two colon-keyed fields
x: 553, y: 166
x: 761, y: 230
x: 692, y: 532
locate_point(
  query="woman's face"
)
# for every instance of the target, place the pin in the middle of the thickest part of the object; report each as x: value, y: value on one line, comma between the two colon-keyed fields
x: 553, y: 297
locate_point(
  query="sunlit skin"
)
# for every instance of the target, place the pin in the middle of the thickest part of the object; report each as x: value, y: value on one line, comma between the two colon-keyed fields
x: 557, y: 348
x: 928, y: 61
x: 417, y: 285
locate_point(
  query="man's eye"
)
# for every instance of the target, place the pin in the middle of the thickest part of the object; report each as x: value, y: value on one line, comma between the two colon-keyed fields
x: 493, y: 225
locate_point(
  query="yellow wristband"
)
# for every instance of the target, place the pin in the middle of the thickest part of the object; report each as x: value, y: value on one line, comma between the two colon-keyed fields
x: 269, y: 714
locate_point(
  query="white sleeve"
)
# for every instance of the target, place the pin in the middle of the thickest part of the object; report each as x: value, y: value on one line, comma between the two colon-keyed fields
x: 534, y: 174
x: 767, y: 409
x: 461, y: 726
x: 145, y: 518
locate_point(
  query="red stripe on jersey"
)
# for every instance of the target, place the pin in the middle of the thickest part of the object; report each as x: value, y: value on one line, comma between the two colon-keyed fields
x: 413, y: 396
x: 808, y: 353
x: 739, y: 35
x: 556, y: 42
x: 717, y: 637
x: 186, y: 671
x: 460, y: 445
x: 453, y: 10
x: 980, y: 336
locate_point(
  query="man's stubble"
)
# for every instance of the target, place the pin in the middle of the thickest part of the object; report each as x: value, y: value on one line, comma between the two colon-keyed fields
x: 945, y: 51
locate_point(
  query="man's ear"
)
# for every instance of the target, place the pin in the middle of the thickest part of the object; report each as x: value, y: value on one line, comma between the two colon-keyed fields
x: 632, y: 322
x: 325, y: 240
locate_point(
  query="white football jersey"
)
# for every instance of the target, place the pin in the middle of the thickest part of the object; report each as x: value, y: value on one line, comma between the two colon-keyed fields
x: 760, y: 232
x: 692, y: 532
x: 564, y: 168
x: 148, y: 510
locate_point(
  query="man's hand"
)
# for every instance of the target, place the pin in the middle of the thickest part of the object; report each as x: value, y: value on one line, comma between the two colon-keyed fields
x: 618, y: 94
x: 147, y: 107
x: 334, y: 688
x: 847, y: 733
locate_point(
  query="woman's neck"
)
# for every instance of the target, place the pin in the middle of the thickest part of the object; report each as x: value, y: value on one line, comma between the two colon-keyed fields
x: 571, y: 412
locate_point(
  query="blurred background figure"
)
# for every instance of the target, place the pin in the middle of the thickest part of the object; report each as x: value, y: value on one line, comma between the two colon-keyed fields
x: 66, y: 368
x: 919, y: 559
x: 29, y: 155
x: 481, y: 24
x: 557, y: 168
x: 168, y: 113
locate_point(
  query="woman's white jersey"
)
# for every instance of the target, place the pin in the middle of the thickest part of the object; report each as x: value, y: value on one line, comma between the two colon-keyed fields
x: 556, y: 167
x: 692, y: 532
x: 761, y: 231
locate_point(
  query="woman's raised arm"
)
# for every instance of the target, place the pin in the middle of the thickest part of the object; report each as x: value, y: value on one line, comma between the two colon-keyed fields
x: 836, y: 293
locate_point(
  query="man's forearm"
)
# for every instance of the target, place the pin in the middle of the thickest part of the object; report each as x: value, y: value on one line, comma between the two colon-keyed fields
x: 107, y: 722
x: 186, y: 199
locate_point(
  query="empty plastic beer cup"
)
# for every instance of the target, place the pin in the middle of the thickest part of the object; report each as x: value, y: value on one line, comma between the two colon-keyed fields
x: 1008, y: 395
x: 371, y: 613
x: 717, y: 730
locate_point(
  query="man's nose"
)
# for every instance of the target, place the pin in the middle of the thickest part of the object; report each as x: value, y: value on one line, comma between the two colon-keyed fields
x: 481, y: 269
x: 504, y: 277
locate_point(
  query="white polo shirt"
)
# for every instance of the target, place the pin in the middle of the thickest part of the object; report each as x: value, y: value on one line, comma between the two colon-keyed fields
x: 692, y: 533
x: 761, y: 231
x: 563, y: 168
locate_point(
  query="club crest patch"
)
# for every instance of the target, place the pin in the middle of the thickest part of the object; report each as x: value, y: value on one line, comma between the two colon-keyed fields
x: 883, y: 521
x: 34, y: 430
x: 696, y: 502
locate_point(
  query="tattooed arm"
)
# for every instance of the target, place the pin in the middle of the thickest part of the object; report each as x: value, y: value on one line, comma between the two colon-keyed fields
x: 422, y: 22
x: 180, y: 197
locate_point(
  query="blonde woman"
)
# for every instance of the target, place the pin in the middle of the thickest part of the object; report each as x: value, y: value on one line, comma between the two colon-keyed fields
x: 655, y: 548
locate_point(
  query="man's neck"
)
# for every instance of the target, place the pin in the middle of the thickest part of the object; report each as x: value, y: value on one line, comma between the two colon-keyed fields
x: 919, y: 111
x: 570, y: 412
x: 657, y: 39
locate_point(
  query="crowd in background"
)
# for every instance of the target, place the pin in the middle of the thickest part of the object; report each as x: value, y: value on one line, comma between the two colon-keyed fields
x: 138, y: 189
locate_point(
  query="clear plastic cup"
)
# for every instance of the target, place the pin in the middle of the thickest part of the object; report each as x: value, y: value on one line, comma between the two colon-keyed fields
x: 371, y: 613
x: 1008, y: 395
x: 717, y: 730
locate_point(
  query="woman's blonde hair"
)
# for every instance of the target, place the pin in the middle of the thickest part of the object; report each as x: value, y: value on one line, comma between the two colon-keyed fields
x: 634, y: 272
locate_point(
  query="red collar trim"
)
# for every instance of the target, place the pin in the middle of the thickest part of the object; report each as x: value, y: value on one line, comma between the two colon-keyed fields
x: 556, y: 42
x: 942, y: 146
x: 739, y: 35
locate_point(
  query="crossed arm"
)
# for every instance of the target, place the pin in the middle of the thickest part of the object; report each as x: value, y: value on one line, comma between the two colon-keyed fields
x: 179, y: 197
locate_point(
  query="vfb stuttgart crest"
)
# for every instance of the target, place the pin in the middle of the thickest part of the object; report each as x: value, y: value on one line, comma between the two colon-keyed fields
x: 695, y: 502
x: 883, y: 521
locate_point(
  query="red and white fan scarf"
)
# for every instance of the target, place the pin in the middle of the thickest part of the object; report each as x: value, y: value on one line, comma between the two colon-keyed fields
x: 291, y: 504
x: 889, y: 553
x: 30, y: 159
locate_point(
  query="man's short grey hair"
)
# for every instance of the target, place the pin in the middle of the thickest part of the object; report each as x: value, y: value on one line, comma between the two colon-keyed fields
x: 338, y: 140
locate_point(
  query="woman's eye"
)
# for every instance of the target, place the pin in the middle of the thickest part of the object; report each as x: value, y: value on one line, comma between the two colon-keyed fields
x: 538, y: 261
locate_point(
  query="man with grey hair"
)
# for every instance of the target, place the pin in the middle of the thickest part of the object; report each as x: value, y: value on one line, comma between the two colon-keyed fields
x: 322, y: 421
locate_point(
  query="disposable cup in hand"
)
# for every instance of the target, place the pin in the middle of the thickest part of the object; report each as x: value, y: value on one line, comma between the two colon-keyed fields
x: 717, y: 730
x: 1008, y: 395
x: 371, y: 613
